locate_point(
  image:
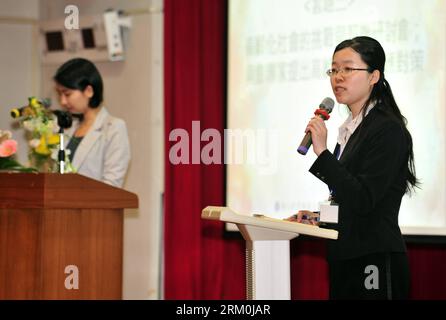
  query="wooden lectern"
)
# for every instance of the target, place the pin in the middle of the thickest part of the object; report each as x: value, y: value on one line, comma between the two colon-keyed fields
x: 267, y: 250
x: 61, y: 237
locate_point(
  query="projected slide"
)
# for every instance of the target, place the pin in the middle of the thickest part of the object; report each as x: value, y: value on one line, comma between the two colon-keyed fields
x: 278, y: 54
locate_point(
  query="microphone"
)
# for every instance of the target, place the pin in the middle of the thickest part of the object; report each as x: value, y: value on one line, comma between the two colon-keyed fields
x: 324, y: 109
x: 64, y: 119
x: 29, y: 110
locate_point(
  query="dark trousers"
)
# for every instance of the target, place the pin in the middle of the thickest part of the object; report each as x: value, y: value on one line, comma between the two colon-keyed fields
x: 376, y: 276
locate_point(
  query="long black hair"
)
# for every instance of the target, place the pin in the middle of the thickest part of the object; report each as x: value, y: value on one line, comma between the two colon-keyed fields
x: 373, y: 55
x: 77, y: 74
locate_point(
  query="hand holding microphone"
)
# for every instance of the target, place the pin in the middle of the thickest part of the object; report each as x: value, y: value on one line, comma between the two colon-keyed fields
x: 316, y: 125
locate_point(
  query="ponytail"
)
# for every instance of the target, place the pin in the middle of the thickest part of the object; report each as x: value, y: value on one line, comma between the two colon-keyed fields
x: 382, y: 94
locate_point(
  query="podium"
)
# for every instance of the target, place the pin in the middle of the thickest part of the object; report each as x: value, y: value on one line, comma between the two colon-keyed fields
x: 61, y: 237
x: 267, y: 250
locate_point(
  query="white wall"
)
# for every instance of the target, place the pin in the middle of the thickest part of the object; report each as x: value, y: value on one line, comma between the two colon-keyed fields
x: 19, y: 64
x: 133, y: 92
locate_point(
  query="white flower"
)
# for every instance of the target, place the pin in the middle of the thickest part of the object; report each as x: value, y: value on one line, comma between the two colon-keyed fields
x: 54, y: 125
x: 34, y: 143
x: 5, y: 134
x: 29, y: 125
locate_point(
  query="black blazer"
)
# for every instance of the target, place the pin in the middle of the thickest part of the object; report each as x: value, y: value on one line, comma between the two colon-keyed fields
x: 368, y: 181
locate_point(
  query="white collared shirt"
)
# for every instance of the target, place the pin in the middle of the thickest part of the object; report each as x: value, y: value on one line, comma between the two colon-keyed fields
x: 348, y: 128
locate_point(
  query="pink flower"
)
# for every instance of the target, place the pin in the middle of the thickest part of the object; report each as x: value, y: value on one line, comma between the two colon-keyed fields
x: 8, y: 148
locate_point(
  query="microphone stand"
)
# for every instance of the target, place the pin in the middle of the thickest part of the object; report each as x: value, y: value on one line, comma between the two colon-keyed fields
x: 61, y: 155
x: 64, y: 120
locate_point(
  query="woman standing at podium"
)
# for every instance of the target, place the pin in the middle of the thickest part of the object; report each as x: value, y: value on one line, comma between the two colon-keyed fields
x: 99, y: 144
x: 372, y: 167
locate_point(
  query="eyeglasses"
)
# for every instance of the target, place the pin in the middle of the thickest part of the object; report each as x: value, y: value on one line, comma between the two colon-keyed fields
x: 344, y: 71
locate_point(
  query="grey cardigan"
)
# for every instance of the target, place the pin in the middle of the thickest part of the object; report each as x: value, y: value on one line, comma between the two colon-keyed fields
x: 104, y: 152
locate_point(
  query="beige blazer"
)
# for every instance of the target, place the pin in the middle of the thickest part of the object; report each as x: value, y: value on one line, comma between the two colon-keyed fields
x: 104, y: 152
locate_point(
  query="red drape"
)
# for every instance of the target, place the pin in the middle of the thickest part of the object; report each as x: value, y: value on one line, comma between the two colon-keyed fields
x: 199, y: 262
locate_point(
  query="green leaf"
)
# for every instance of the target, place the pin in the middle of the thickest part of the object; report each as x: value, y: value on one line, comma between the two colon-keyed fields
x: 13, y: 165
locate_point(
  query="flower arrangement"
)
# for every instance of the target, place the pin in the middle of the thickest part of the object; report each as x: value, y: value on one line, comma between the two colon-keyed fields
x: 41, y: 130
x: 8, y: 148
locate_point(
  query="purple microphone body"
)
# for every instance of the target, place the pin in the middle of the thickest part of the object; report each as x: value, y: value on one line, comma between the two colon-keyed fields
x: 326, y: 105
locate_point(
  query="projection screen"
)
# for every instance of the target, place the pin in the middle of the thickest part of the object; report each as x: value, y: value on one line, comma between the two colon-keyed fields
x: 278, y: 54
